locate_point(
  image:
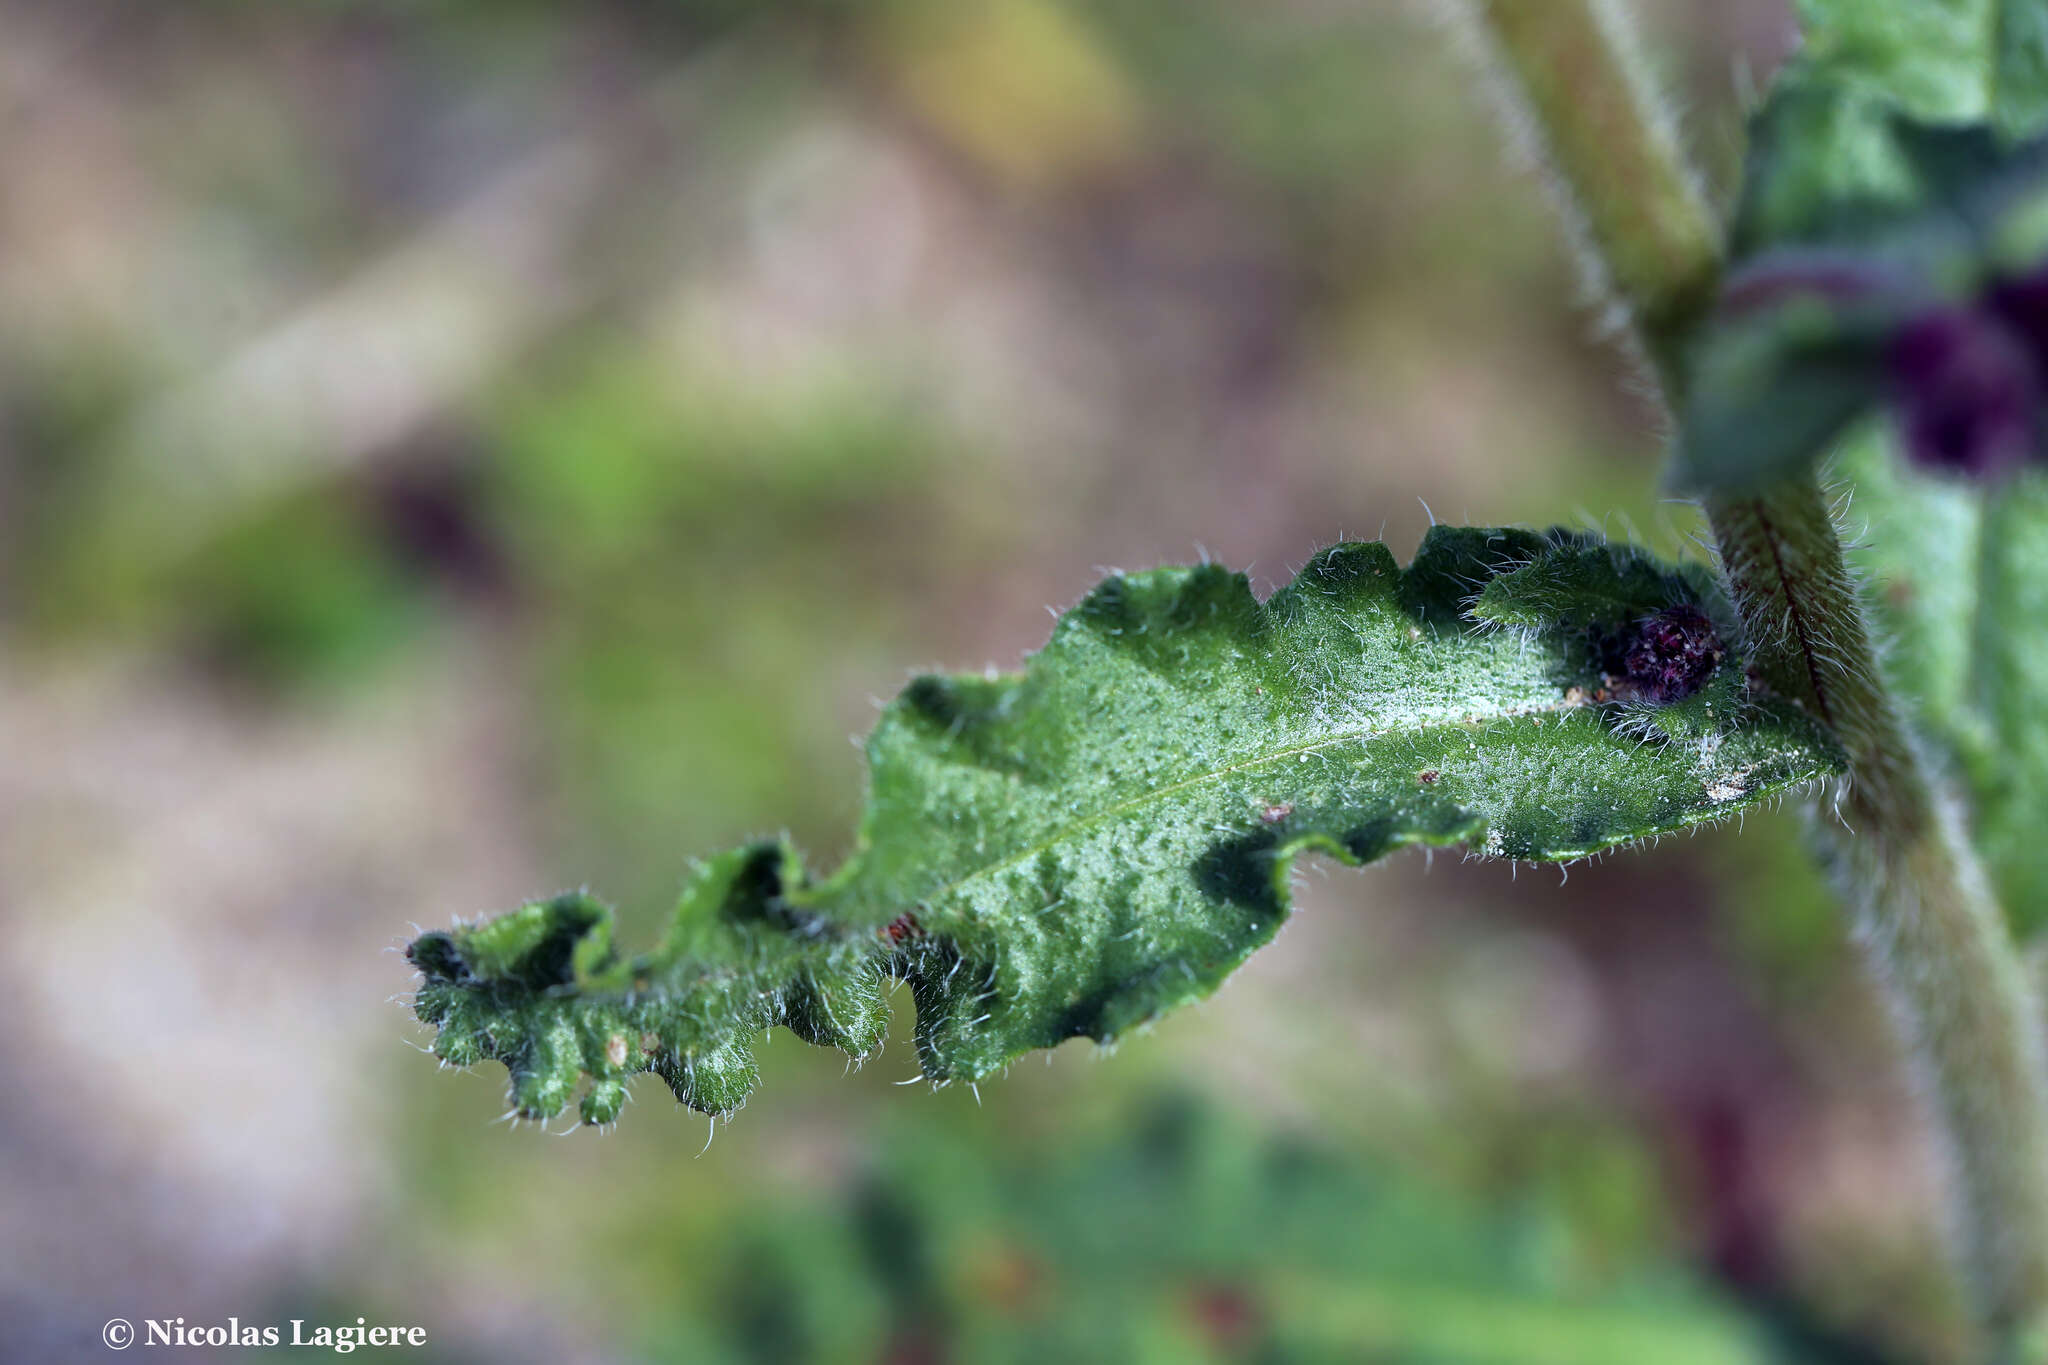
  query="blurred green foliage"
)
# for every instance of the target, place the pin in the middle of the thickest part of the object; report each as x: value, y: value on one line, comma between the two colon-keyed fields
x: 1181, y: 1238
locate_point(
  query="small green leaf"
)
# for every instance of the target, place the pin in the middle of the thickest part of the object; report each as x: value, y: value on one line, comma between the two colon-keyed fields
x: 1075, y: 850
x: 1581, y: 580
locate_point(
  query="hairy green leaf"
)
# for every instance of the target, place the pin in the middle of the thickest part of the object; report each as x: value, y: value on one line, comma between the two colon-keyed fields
x: 1581, y: 582
x: 1074, y: 850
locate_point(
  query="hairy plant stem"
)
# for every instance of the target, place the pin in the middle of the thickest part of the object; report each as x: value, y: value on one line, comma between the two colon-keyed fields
x: 1934, y: 940
x: 1928, y: 924
x: 1574, y: 91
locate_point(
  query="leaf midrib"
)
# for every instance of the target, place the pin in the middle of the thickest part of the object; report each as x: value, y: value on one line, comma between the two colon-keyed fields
x: 1067, y: 830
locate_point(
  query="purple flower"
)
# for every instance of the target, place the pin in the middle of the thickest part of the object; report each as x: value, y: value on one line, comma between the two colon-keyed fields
x: 1669, y: 656
x: 1967, y: 386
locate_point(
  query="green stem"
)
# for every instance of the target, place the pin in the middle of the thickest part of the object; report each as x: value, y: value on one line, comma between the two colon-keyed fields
x: 1931, y: 930
x: 1934, y: 939
x: 1575, y: 88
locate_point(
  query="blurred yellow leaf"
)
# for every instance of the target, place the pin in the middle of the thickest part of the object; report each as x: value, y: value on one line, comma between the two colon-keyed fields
x: 1022, y: 87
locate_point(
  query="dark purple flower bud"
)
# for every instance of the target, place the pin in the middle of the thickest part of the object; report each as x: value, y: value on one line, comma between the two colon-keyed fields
x: 1669, y: 656
x: 1967, y: 391
x: 2021, y: 302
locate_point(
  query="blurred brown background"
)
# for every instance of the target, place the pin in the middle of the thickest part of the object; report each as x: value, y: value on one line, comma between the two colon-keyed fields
x: 451, y: 452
